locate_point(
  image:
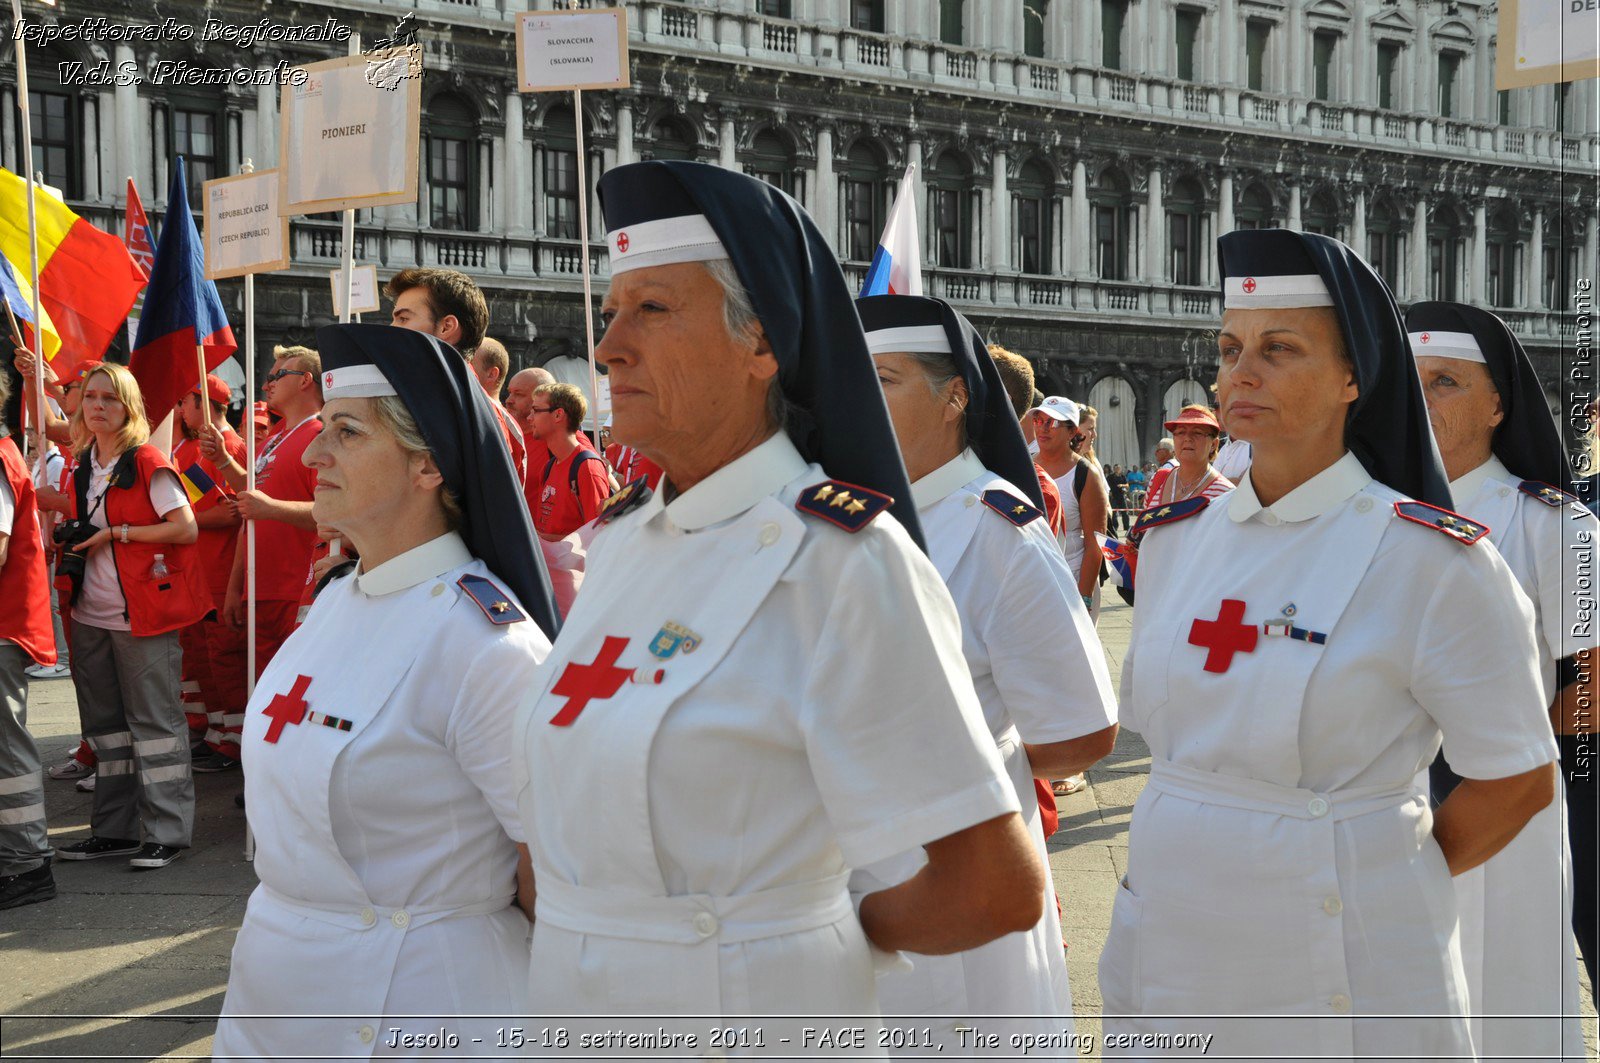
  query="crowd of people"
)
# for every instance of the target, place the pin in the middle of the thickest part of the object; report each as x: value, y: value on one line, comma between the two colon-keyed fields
x: 758, y: 702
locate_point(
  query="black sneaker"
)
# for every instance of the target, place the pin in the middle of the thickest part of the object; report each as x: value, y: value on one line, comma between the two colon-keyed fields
x: 214, y: 761
x: 30, y: 887
x: 154, y: 854
x: 94, y: 848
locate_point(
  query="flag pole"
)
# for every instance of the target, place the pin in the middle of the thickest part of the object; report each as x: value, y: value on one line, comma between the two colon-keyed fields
x: 347, y: 242
x: 583, y: 236
x: 33, y: 222
x: 249, y: 525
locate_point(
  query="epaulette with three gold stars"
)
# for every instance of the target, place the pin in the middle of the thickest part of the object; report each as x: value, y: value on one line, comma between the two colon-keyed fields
x: 634, y: 495
x: 495, y: 603
x: 1550, y: 496
x: 1011, y: 507
x: 845, y: 505
x: 1155, y: 516
x: 1454, y: 525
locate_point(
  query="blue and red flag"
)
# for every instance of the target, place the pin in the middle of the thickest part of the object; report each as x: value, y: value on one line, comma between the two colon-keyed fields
x: 182, y: 310
x: 1121, y: 561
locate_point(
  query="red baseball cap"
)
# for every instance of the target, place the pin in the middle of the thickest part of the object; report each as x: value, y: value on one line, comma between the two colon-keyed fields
x: 260, y: 414
x: 216, y: 389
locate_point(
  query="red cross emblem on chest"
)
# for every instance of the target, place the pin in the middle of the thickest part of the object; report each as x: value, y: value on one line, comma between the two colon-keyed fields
x: 285, y: 709
x: 583, y: 683
x: 1225, y: 636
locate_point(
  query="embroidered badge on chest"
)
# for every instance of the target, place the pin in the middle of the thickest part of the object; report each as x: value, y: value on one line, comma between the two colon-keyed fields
x: 600, y: 679
x: 285, y: 709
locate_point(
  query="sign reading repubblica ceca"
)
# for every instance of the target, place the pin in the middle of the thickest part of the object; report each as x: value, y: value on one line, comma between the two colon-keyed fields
x: 566, y: 50
x: 245, y: 232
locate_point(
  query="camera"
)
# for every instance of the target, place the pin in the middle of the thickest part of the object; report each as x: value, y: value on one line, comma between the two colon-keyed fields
x: 71, y: 564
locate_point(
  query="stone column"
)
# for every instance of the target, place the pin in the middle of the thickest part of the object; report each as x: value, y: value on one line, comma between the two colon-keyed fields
x: 727, y: 143
x: 1477, y: 256
x: 825, y: 197
x: 999, y: 221
x: 129, y: 138
x: 158, y: 140
x: 89, y: 138
x: 625, y: 153
x: 489, y: 219
x: 1294, y: 207
x: 1081, y: 239
x: 1228, y: 33
x: 1591, y: 240
x: 514, y: 148
x: 1292, y: 57
x: 1155, y: 227
x: 1225, y: 223
x: 8, y: 130
x: 1358, y: 223
x: 1533, y: 274
x: 1418, y: 288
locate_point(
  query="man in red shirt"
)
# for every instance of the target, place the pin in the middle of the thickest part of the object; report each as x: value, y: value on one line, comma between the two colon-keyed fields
x: 213, y: 652
x: 519, y: 404
x: 491, y: 364
x: 574, y: 480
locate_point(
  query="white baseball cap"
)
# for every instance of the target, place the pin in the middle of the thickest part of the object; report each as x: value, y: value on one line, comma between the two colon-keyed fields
x: 1062, y: 409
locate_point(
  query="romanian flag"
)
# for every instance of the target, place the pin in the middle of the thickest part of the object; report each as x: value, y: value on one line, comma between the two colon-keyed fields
x: 18, y: 294
x: 182, y: 311
x: 87, y: 281
x: 196, y: 484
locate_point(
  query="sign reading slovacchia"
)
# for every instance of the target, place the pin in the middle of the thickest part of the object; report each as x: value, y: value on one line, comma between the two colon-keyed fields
x: 566, y: 50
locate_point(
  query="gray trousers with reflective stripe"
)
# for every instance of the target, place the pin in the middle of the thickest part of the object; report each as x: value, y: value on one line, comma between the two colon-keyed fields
x: 24, y: 841
x: 128, y: 703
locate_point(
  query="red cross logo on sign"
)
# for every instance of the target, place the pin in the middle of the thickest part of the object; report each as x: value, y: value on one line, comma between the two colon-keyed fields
x: 622, y: 242
x: 1225, y: 636
x: 1249, y: 285
x: 583, y: 683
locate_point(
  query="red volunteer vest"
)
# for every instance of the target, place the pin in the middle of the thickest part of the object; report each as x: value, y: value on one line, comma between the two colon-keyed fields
x: 24, y: 582
x: 176, y: 600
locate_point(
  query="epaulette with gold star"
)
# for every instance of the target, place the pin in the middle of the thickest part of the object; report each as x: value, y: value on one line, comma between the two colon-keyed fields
x: 1550, y: 496
x: 1155, y: 516
x: 1454, y: 525
x: 631, y: 497
x: 495, y: 603
x: 845, y: 505
x: 1011, y: 507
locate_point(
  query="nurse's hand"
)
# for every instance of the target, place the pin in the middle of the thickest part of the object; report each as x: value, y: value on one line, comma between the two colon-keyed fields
x: 979, y: 884
x: 1481, y: 816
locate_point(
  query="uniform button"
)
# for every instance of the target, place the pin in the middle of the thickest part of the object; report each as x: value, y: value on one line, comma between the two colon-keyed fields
x: 368, y: 917
x: 770, y: 533
x: 366, y: 1033
x: 1271, y: 520
x: 1333, y: 906
x: 1504, y: 491
x: 705, y: 924
x: 400, y: 919
x: 1339, y: 1002
x: 438, y: 589
x: 1317, y: 807
x: 1363, y: 504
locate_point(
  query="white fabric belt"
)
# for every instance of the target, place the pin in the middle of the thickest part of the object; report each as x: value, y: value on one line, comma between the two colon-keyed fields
x: 1255, y: 795
x: 358, y: 917
x: 695, y: 917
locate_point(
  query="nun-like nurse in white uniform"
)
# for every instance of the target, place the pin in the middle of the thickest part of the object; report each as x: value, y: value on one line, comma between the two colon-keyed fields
x: 1282, y: 864
x: 380, y: 783
x: 1028, y: 641
x: 1503, y: 454
x: 761, y: 685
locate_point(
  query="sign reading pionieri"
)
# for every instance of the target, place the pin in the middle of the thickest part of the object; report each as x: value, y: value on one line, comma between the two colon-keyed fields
x: 565, y: 50
x: 350, y: 133
x: 244, y: 230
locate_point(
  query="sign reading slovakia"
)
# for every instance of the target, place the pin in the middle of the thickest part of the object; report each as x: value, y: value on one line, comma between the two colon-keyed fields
x: 566, y: 50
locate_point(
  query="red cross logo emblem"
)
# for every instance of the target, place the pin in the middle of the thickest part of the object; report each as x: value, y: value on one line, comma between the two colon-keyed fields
x: 1225, y: 636
x: 288, y: 708
x: 327, y: 381
x: 583, y: 683
x: 1426, y: 337
x: 622, y: 242
x: 1249, y: 285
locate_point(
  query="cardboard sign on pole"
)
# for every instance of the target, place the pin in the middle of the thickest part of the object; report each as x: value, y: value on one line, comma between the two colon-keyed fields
x: 1544, y: 42
x: 244, y: 232
x: 567, y: 50
x: 363, y: 290
x: 350, y: 134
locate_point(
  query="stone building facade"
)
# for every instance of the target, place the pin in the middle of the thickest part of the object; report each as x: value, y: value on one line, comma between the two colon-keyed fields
x: 1078, y: 158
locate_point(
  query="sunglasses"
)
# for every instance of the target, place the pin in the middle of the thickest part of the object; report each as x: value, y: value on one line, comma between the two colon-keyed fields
x: 540, y: 409
x: 280, y: 374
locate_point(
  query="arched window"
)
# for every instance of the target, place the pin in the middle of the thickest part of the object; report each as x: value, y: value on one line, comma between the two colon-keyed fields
x: 560, y: 174
x: 770, y: 160
x: 950, y: 200
x: 1255, y: 209
x: 452, y: 163
x: 672, y: 140
x: 1321, y: 214
x: 1116, y: 437
x: 1447, y: 237
x: 1504, y: 247
x: 865, y: 182
x: 1186, y: 243
x: 1385, y: 242
x: 1115, y: 221
x: 1034, y: 200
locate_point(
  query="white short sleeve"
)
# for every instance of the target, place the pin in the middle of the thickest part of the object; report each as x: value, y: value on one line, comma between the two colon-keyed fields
x: 8, y: 507
x: 1476, y: 669
x: 892, y: 726
x: 1565, y: 559
x: 480, y: 732
x: 166, y: 493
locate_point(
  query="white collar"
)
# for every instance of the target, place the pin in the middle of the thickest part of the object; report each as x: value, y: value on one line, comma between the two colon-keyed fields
x: 937, y: 485
x: 738, y: 485
x: 417, y: 565
x: 1333, y: 485
x: 1464, y: 490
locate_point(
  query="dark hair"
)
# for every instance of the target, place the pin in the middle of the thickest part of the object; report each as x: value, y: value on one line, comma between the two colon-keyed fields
x: 568, y: 399
x: 449, y: 293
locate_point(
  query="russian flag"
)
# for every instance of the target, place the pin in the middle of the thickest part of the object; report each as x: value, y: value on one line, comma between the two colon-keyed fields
x: 897, y: 264
x: 1120, y: 561
x: 182, y: 311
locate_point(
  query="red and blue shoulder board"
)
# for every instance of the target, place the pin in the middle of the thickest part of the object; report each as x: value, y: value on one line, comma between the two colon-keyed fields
x: 844, y: 505
x: 1171, y: 513
x: 1011, y: 507
x: 1439, y: 519
x: 631, y: 497
x: 495, y: 603
x: 1550, y: 496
